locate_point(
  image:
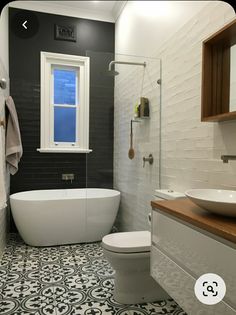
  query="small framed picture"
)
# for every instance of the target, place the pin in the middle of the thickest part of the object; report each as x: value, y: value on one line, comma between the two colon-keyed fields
x: 65, y: 32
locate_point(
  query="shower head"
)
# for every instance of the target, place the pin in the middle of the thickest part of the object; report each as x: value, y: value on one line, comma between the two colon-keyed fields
x: 113, y: 73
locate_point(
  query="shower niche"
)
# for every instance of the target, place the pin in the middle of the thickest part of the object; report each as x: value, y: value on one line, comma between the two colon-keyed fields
x: 142, y: 110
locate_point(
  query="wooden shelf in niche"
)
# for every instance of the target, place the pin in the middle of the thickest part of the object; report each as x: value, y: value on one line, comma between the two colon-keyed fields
x: 216, y: 75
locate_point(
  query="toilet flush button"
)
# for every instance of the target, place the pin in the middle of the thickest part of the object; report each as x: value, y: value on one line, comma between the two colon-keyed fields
x: 210, y: 289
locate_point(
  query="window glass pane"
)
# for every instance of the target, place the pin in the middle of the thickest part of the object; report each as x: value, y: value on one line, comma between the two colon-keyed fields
x: 64, y: 86
x: 64, y: 124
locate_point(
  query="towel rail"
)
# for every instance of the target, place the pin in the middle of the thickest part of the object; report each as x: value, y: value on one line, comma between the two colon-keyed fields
x: 3, y: 85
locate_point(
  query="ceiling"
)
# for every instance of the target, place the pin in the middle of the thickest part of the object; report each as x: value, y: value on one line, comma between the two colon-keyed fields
x: 108, y: 11
x: 99, y: 10
x: 109, y: 7
x: 91, y: 5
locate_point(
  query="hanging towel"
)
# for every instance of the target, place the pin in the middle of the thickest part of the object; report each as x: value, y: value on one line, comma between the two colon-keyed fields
x: 2, y: 170
x: 14, y: 148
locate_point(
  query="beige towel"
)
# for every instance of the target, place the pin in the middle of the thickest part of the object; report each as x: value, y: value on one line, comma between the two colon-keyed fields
x: 14, y: 149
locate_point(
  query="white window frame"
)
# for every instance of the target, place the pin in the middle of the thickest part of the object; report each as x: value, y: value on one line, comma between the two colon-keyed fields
x: 49, y: 61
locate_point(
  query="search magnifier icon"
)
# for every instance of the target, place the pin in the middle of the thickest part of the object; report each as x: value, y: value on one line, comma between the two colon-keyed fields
x: 210, y: 288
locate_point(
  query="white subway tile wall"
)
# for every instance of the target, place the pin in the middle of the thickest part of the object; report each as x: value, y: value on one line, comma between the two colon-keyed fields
x: 191, y: 150
x: 135, y: 182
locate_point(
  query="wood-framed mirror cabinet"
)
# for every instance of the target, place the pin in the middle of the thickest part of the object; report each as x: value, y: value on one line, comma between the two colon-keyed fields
x: 219, y: 75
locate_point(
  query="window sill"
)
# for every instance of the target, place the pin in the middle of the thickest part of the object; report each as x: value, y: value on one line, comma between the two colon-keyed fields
x: 63, y: 150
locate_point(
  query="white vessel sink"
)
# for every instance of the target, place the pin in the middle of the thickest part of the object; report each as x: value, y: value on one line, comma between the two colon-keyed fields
x: 222, y: 202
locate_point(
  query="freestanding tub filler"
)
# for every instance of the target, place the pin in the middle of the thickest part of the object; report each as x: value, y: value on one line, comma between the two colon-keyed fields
x: 65, y: 216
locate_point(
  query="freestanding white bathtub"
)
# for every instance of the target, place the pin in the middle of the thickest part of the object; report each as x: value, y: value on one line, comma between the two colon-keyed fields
x: 65, y: 216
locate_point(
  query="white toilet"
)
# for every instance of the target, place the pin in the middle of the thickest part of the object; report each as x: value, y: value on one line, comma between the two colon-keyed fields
x: 129, y: 254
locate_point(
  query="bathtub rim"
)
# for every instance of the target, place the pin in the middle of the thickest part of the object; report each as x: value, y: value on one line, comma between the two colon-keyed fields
x: 22, y: 195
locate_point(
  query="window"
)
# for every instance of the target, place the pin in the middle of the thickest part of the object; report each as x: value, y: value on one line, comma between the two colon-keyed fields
x: 64, y: 103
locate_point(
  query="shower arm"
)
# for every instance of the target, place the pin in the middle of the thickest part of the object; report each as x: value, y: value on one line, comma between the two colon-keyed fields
x: 126, y: 63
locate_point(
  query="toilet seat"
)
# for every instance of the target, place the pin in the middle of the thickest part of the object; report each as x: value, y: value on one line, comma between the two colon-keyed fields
x: 128, y: 242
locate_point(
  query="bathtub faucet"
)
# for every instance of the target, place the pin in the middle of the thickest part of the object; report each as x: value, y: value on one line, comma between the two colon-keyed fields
x: 67, y: 177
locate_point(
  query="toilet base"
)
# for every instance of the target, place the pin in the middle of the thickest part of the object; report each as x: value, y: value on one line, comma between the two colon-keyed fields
x: 137, y: 287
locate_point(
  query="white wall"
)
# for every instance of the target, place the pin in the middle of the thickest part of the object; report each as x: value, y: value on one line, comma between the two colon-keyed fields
x: 4, y: 72
x: 135, y: 182
x: 232, y: 97
x: 4, y: 38
x: 144, y: 25
x: 191, y: 150
x: 80, y: 9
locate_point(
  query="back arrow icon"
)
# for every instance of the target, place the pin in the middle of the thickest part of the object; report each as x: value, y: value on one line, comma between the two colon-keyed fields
x: 24, y: 25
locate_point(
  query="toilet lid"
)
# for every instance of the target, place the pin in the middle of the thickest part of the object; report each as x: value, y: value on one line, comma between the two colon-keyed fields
x: 128, y: 242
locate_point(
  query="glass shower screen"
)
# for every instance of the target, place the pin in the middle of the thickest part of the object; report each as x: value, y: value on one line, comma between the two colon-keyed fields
x: 117, y: 98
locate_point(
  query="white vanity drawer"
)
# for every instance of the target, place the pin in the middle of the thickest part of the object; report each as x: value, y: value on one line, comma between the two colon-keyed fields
x: 180, y: 285
x: 195, y: 252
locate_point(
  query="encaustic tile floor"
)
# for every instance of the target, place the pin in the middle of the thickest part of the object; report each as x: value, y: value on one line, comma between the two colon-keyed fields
x: 61, y: 280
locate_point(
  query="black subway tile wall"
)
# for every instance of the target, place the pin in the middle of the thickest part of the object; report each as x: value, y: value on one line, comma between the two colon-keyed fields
x: 43, y: 170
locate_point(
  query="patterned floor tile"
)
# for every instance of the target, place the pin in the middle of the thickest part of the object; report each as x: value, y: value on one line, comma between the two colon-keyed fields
x: 25, y: 265
x: 94, y: 308
x: 161, y: 307
x: 43, y: 302
x: 20, y: 289
x: 81, y: 281
x: 3, y: 277
x: 64, y: 280
x: 8, y: 305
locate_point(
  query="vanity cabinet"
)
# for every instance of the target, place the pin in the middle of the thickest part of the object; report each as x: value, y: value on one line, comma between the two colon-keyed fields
x: 182, y: 252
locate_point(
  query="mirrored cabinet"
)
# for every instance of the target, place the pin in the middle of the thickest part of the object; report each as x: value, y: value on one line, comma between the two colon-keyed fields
x: 219, y: 75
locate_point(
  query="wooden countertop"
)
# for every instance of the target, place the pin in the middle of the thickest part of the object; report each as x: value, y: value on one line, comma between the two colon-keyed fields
x: 186, y: 210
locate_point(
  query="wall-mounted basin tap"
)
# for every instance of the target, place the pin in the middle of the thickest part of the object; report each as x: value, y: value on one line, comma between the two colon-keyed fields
x: 148, y: 159
x: 226, y: 158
